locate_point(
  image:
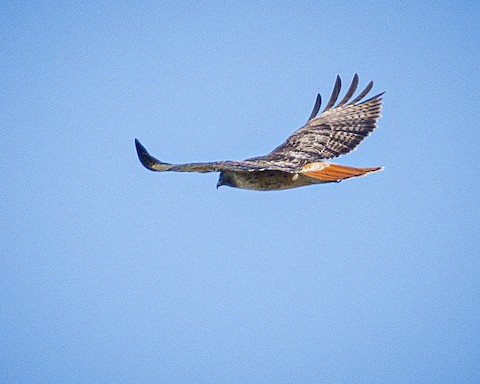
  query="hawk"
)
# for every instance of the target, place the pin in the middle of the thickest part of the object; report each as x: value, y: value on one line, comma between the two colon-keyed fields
x: 300, y: 160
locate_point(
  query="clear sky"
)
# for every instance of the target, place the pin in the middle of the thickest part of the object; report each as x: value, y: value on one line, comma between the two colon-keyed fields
x: 111, y: 273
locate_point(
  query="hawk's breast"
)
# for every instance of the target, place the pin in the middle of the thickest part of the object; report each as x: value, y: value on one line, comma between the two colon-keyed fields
x: 270, y: 180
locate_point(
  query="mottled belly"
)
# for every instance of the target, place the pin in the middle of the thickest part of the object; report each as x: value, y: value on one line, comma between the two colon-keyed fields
x: 271, y: 180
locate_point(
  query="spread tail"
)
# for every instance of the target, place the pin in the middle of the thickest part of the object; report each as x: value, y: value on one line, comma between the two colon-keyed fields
x: 335, y: 172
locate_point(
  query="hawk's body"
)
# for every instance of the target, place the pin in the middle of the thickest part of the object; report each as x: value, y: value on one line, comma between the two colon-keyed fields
x: 299, y: 160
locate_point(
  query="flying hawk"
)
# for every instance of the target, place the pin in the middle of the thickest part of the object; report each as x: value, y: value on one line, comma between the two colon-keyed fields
x: 300, y: 160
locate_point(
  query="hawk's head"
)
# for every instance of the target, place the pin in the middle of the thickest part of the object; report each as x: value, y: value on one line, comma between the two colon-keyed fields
x: 226, y: 178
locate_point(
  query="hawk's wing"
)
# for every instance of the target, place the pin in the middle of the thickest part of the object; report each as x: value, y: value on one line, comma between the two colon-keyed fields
x: 336, y: 131
x: 153, y: 164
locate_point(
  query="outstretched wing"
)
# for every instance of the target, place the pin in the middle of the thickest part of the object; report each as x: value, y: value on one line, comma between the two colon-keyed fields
x: 153, y: 164
x: 336, y: 131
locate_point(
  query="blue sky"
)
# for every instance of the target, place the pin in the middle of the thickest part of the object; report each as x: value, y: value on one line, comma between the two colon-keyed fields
x: 110, y: 273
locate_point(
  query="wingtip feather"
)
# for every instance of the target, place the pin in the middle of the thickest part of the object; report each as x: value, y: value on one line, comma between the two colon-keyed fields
x: 149, y: 161
x: 316, y: 107
x: 335, y: 93
x: 351, y: 90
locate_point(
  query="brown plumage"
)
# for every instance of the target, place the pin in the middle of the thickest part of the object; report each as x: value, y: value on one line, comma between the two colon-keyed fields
x: 299, y: 160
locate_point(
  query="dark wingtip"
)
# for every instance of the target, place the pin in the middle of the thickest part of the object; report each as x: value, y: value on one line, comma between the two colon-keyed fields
x: 335, y: 92
x: 316, y: 107
x: 149, y: 161
x: 138, y: 144
x: 139, y: 147
x: 377, y: 96
x: 362, y: 94
x: 144, y: 157
x: 142, y: 153
x: 351, y: 90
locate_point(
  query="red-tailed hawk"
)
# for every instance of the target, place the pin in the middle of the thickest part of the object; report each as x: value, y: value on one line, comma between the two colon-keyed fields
x: 300, y: 160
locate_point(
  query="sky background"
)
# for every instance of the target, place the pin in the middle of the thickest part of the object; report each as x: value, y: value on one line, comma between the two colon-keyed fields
x: 111, y: 273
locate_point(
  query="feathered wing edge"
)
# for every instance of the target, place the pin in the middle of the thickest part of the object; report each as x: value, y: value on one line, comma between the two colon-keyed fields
x: 348, y: 95
x: 149, y: 161
x: 153, y: 164
x: 339, y: 129
x: 156, y: 165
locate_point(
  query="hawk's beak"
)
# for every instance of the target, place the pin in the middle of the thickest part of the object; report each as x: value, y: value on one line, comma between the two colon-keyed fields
x: 219, y: 184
